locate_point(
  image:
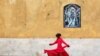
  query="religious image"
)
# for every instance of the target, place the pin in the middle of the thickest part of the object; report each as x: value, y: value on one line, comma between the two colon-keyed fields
x: 72, y: 16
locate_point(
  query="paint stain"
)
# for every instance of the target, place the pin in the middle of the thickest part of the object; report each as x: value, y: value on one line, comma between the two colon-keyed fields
x: 60, y: 2
x: 83, y: 1
x: 48, y: 14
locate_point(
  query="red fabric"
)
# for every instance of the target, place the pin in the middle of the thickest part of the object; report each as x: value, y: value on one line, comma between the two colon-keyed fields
x: 59, y: 51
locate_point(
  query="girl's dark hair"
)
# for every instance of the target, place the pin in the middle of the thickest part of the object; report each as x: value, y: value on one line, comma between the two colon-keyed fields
x: 58, y: 35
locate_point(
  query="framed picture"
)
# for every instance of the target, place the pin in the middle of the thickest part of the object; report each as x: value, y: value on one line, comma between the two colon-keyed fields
x: 72, y: 16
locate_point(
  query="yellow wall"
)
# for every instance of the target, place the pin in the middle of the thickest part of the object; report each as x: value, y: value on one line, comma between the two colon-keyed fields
x: 44, y: 18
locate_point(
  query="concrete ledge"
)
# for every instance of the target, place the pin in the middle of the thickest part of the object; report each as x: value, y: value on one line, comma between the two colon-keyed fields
x: 35, y: 47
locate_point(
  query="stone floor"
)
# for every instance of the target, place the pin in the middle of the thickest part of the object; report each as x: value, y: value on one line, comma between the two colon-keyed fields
x: 35, y: 47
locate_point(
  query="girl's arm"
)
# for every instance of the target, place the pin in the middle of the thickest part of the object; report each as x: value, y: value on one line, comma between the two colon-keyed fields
x: 66, y: 45
x: 53, y: 43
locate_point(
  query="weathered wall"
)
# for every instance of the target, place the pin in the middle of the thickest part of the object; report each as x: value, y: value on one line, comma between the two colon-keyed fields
x: 44, y: 18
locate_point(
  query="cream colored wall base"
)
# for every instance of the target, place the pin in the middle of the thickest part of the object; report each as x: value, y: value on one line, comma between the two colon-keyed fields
x: 35, y: 47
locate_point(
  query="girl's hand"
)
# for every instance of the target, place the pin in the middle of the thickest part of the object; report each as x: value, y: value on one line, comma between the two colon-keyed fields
x: 68, y: 46
x: 50, y: 44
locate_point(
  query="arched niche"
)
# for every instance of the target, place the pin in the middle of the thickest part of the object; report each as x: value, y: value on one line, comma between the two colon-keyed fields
x: 72, y: 16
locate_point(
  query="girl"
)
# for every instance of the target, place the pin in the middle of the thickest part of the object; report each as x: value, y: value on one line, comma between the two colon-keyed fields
x: 59, y: 51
